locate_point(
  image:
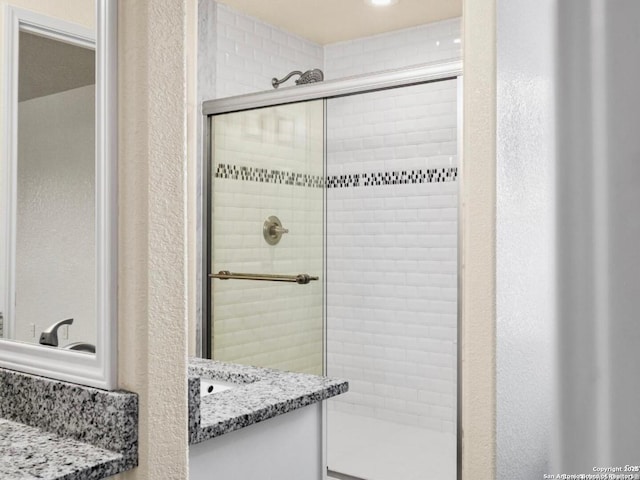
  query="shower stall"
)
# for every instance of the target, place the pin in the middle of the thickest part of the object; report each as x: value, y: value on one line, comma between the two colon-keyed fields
x: 330, y: 247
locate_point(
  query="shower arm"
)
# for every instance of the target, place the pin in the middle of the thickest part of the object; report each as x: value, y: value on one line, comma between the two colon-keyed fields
x: 276, y: 83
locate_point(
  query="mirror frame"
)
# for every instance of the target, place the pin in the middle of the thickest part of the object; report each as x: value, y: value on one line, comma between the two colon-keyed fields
x: 99, y: 370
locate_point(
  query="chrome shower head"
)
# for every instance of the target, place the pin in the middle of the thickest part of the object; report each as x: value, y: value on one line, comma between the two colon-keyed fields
x: 310, y: 76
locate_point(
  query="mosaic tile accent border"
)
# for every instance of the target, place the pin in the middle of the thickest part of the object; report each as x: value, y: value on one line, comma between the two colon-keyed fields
x: 252, y: 174
x: 429, y: 175
x: 264, y: 175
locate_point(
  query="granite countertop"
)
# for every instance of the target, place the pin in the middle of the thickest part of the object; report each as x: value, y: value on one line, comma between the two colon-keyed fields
x: 261, y: 394
x: 29, y: 453
x: 54, y: 430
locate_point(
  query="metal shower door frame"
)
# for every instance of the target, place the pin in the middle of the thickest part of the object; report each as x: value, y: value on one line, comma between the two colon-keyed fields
x: 403, y: 77
x: 416, y: 75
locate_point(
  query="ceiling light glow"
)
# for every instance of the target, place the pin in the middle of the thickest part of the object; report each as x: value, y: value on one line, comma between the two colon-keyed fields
x: 381, y: 3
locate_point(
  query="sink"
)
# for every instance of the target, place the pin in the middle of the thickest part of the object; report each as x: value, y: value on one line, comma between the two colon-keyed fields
x: 209, y: 386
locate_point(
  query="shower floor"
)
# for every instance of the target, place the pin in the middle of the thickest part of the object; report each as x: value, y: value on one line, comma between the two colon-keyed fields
x: 374, y: 449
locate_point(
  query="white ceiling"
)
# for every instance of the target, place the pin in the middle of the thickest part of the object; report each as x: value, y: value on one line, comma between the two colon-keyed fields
x: 329, y: 21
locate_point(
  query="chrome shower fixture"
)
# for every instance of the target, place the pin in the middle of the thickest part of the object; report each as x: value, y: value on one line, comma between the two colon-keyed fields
x: 272, y: 230
x: 310, y: 76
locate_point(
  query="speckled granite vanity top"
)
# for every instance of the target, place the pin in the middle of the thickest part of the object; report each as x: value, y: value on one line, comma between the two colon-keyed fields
x: 260, y: 394
x: 28, y: 453
x: 53, y: 430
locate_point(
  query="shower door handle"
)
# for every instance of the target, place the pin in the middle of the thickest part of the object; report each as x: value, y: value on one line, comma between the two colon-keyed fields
x: 301, y: 279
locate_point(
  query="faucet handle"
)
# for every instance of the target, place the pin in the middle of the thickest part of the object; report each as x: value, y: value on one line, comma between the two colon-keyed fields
x: 278, y: 230
x: 50, y: 335
x: 272, y: 230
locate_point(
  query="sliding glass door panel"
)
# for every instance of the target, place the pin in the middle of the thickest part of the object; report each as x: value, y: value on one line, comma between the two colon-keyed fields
x: 267, y: 230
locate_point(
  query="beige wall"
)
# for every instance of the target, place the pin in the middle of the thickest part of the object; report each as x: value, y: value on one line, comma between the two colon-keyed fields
x: 152, y: 229
x: 478, y: 199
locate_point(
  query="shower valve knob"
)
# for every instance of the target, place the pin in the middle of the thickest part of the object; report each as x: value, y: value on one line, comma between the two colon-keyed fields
x: 272, y: 230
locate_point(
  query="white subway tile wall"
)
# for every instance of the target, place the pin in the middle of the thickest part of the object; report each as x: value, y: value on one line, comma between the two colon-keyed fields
x: 434, y: 42
x: 240, y: 54
x: 256, y: 154
x: 392, y: 256
x: 251, y: 52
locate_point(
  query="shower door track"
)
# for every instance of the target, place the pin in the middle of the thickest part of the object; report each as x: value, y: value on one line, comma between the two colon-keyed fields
x: 404, y: 77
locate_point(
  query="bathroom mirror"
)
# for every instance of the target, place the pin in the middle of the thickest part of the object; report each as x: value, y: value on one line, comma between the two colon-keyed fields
x: 57, y: 175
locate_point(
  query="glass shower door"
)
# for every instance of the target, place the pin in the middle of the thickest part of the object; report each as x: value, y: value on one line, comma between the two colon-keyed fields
x: 267, y: 217
x: 392, y: 220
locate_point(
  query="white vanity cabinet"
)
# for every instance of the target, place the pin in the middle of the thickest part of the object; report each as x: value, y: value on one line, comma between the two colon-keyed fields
x: 264, y: 424
x: 286, y: 447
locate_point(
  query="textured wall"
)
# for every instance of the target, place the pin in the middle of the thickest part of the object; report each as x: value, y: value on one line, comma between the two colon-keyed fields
x: 478, y: 199
x: 392, y: 254
x: 567, y: 223
x: 525, y: 236
x: 55, y: 238
x: 152, y: 237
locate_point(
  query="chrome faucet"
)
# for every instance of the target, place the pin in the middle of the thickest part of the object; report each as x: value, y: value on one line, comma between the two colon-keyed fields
x: 81, y: 347
x: 50, y: 335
